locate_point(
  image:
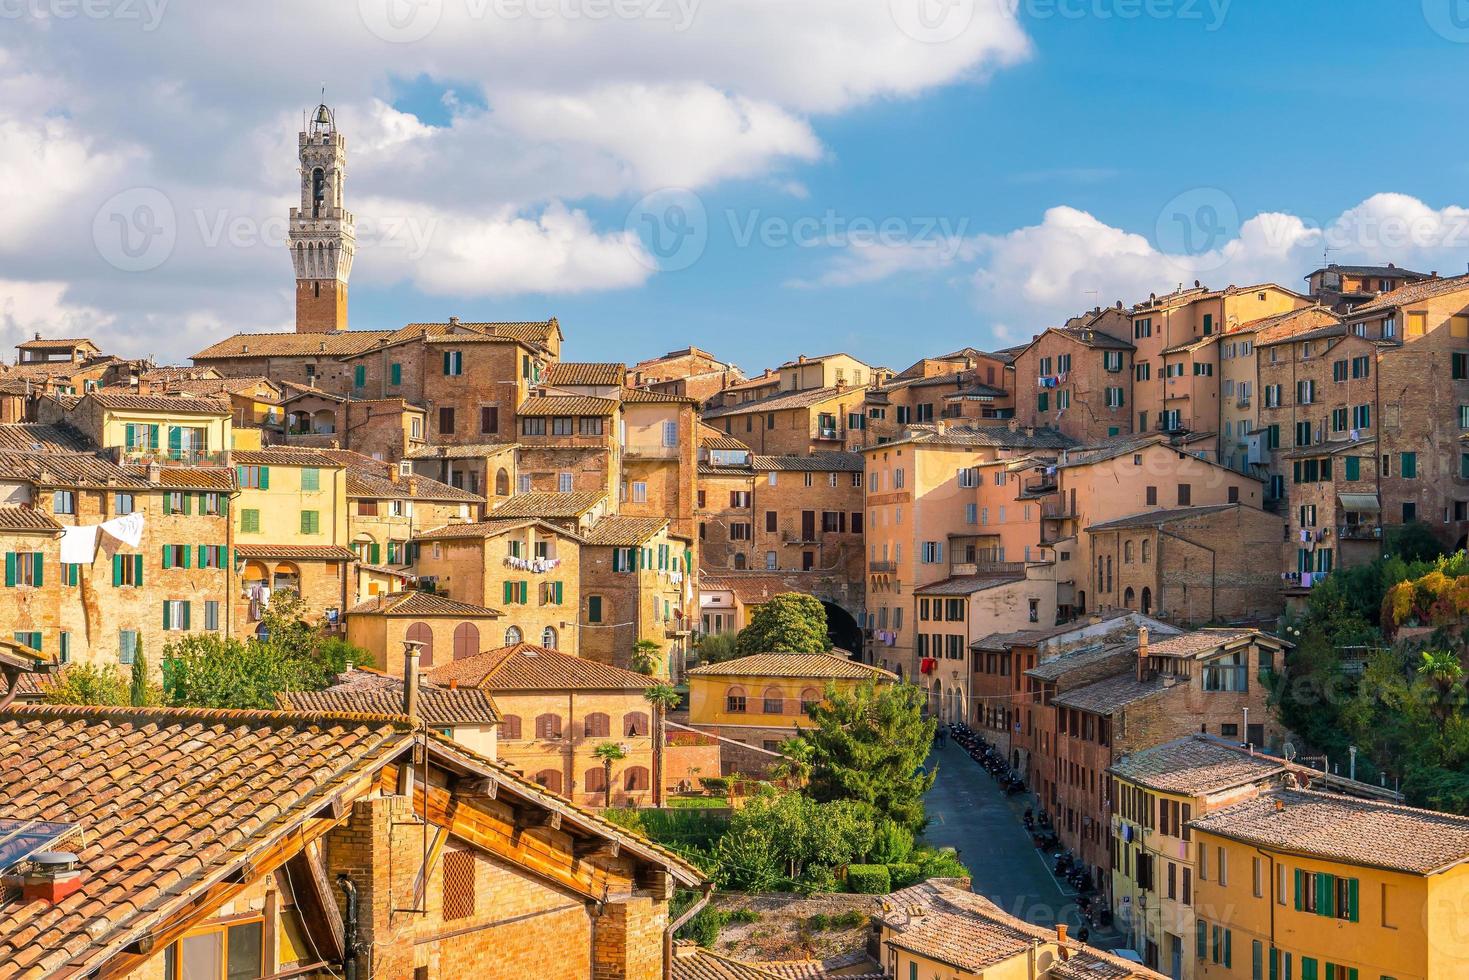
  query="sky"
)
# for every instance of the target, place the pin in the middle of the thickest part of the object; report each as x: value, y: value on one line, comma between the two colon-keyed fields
x: 760, y: 178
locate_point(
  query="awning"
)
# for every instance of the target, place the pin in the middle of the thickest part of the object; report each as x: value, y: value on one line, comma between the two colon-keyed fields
x: 1360, y: 503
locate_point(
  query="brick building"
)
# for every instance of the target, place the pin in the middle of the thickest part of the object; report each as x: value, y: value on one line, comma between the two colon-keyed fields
x: 445, y: 629
x: 691, y: 373
x: 637, y: 585
x: 385, y: 851
x: 794, y: 422
x: 1078, y: 378
x: 1342, y: 287
x: 555, y: 710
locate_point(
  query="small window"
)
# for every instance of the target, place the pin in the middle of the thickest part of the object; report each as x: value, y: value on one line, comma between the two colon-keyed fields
x: 458, y: 885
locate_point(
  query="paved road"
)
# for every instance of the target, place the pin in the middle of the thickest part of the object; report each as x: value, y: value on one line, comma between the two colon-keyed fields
x: 968, y: 811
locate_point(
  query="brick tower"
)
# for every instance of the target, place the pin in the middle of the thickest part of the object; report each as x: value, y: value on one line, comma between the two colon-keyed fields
x: 322, y: 240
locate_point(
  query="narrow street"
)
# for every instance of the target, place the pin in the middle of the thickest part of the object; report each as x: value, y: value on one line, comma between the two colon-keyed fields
x: 969, y: 812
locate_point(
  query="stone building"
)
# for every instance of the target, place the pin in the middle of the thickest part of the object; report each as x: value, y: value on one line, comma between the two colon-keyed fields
x: 445, y: 629
x: 1342, y: 287
x: 637, y: 585
x: 1077, y: 379
x: 691, y: 373
x: 794, y: 422
x: 321, y: 234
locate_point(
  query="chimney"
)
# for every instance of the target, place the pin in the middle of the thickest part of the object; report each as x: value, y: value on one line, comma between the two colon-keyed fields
x: 1061, y: 933
x: 410, y: 679
x: 1279, y: 804
x: 51, y: 877
x: 155, y: 472
x: 453, y: 321
x: 1142, y: 653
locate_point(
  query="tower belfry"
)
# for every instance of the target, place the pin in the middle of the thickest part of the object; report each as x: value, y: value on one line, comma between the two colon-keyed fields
x: 321, y: 238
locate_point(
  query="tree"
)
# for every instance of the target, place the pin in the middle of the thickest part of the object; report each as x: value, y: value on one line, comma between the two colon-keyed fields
x: 1413, y: 542
x: 795, y: 766
x: 717, y: 647
x: 791, y: 622
x: 869, y: 744
x: 663, y: 698
x: 645, y: 656
x: 85, y: 683
x: 141, y: 691
x: 609, y: 752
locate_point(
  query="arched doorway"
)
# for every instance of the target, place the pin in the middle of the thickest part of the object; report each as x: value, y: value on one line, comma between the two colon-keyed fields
x: 1147, y: 606
x: 936, y: 698
x: 1128, y: 596
x: 466, y: 640
x: 842, y: 628
x: 502, y: 483
x: 422, y: 633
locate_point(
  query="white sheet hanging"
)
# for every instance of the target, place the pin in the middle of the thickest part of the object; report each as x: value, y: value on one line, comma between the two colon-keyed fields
x: 78, y: 544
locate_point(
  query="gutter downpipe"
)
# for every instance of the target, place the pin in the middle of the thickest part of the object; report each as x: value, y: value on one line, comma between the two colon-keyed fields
x: 674, y: 926
x: 349, y: 961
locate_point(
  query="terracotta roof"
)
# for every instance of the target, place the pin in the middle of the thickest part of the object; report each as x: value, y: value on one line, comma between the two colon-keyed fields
x: 58, y: 469
x: 467, y: 451
x: 782, y: 400
x: 693, y: 962
x: 372, y: 692
x: 1194, y: 765
x: 750, y: 587
x: 1287, y: 326
x: 55, y: 343
x: 524, y: 667
x: 26, y: 519
x: 822, y: 666
x: 1384, y: 271
x: 1106, y: 696
x: 1413, y: 292
x: 967, y: 436
x: 814, y: 463
x: 642, y: 396
x: 169, y: 803
x: 1192, y: 345
x: 960, y: 585
x: 160, y: 403
x: 1056, y: 668
x: 292, y: 344
x: 585, y: 373
x: 210, y: 386
x: 842, y: 965
x: 526, y: 331
x: 718, y: 440
x: 217, y: 478
x: 542, y: 406
x: 305, y: 552
x: 617, y: 531
x: 549, y: 504
x: 415, y: 603
x: 361, y: 483
x: 1208, y: 640
x: 1346, y: 829
x: 38, y: 437
x: 489, y: 529
x: 179, y: 372
x: 1156, y: 518
x: 285, y: 457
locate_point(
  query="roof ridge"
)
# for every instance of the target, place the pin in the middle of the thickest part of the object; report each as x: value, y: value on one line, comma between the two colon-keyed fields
x: 154, y: 712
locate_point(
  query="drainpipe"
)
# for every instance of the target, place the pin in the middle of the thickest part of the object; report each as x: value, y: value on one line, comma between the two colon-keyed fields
x: 410, y: 708
x: 350, y: 943
x: 674, y: 926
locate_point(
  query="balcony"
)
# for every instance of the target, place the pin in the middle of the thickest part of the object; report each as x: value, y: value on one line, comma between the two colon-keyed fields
x: 651, y: 452
x: 882, y: 566
x: 169, y: 457
x: 1057, y: 510
x: 1242, y: 402
x: 831, y: 433
x: 1359, y: 532
x: 1038, y: 486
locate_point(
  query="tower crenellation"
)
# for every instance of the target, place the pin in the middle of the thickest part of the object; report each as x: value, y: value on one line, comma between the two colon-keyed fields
x: 322, y: 237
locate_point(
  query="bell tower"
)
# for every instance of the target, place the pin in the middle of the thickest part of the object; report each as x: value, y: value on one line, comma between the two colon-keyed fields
x: 321, y: 237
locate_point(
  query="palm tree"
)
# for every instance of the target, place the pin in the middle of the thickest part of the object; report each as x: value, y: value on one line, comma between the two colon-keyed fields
x: 1442, y: 669
x: 663, y: 698
x: 645, y: 656
x: 609, y: 752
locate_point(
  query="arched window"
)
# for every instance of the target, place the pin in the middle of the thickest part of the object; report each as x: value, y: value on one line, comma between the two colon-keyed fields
x: 548, y: 638
x: 739, y: 562
x: 513, y: 636
x: 734, y: 700
x: 594, y: 780
x: 510, y: 728
x: 773, y: 702
x: 1147, y: 606
x: 548, y: 726
x: 1147, y: 551
x: 1127, y: 552
x: 635, y: 724
x: 318, y: 191
x: 502, y: 483
x: 598, y: 724
x: 550, y: 779
x: 810, y: 697
x: 635, y: 779
x: 422, y: 633
x: 1127, y: 597
x: 466, y: 640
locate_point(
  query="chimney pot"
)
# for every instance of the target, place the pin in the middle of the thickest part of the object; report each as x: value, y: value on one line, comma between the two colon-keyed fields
x: 1060, y: 932
x: 1142, y: 653
x: 411, y: 679
x: 453, y: 321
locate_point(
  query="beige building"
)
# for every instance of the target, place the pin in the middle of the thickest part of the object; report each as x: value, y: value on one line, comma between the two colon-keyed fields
x: 445, y: 629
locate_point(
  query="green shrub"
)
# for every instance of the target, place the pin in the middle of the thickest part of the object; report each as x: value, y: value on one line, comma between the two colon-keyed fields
x: 869, y: 879
x: 715, y: 784
x: 743, y: 916
x: 904, y: 873
x: 820, y: 922
x: 704, y: 927
x: 891, y: 844
x: 849, y: 919
x: 816, y: 878
x: 942, y: 863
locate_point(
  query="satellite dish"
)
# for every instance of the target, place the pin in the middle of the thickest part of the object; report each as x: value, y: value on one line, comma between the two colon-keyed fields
x: 1290, y: 752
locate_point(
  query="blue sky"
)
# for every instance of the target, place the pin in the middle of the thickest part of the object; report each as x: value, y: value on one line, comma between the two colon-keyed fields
x: 1023, y: 171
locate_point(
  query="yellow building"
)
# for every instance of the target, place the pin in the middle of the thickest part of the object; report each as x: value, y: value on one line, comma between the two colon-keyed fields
x: 941, y: 929
x: 1312, y: 886
x: 291, y: 532
x: 148, y: 428
x: 760, y: 700
x: 445, y: 628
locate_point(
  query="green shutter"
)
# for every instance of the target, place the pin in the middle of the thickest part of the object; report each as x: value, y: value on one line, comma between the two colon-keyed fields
x: 167, y: 502
x: 1352, y: 900
x: 188, y: 504
x: 265, y: 477
x: 558, y: 593
x: 1274, y: 963
x: 9, y: 569
x: 117, y: 569
x: 395, y: 374
x: 1308, y: 968
x: 311, y: 479
x: 375, y: 553
x: 1325, y: 894
x: 446, y: 361
x: 127, y: 436
x: 1300, y: 890
x: 175, y: 442
x: 187, y: 604
x: 1201, y: 939
x: 1228, y: 933
x: 203, y: 558
x: 165, y: 614
x: 184, y: 551
x: 167, y: 557
x: 138, y: 570
x: 1331, y: 971
x: 152, y: 437
x: 1354, y: 468
x: 594, y: 609
x: 359, y: 376
x: 524, y: 593
x: 507, y: 588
